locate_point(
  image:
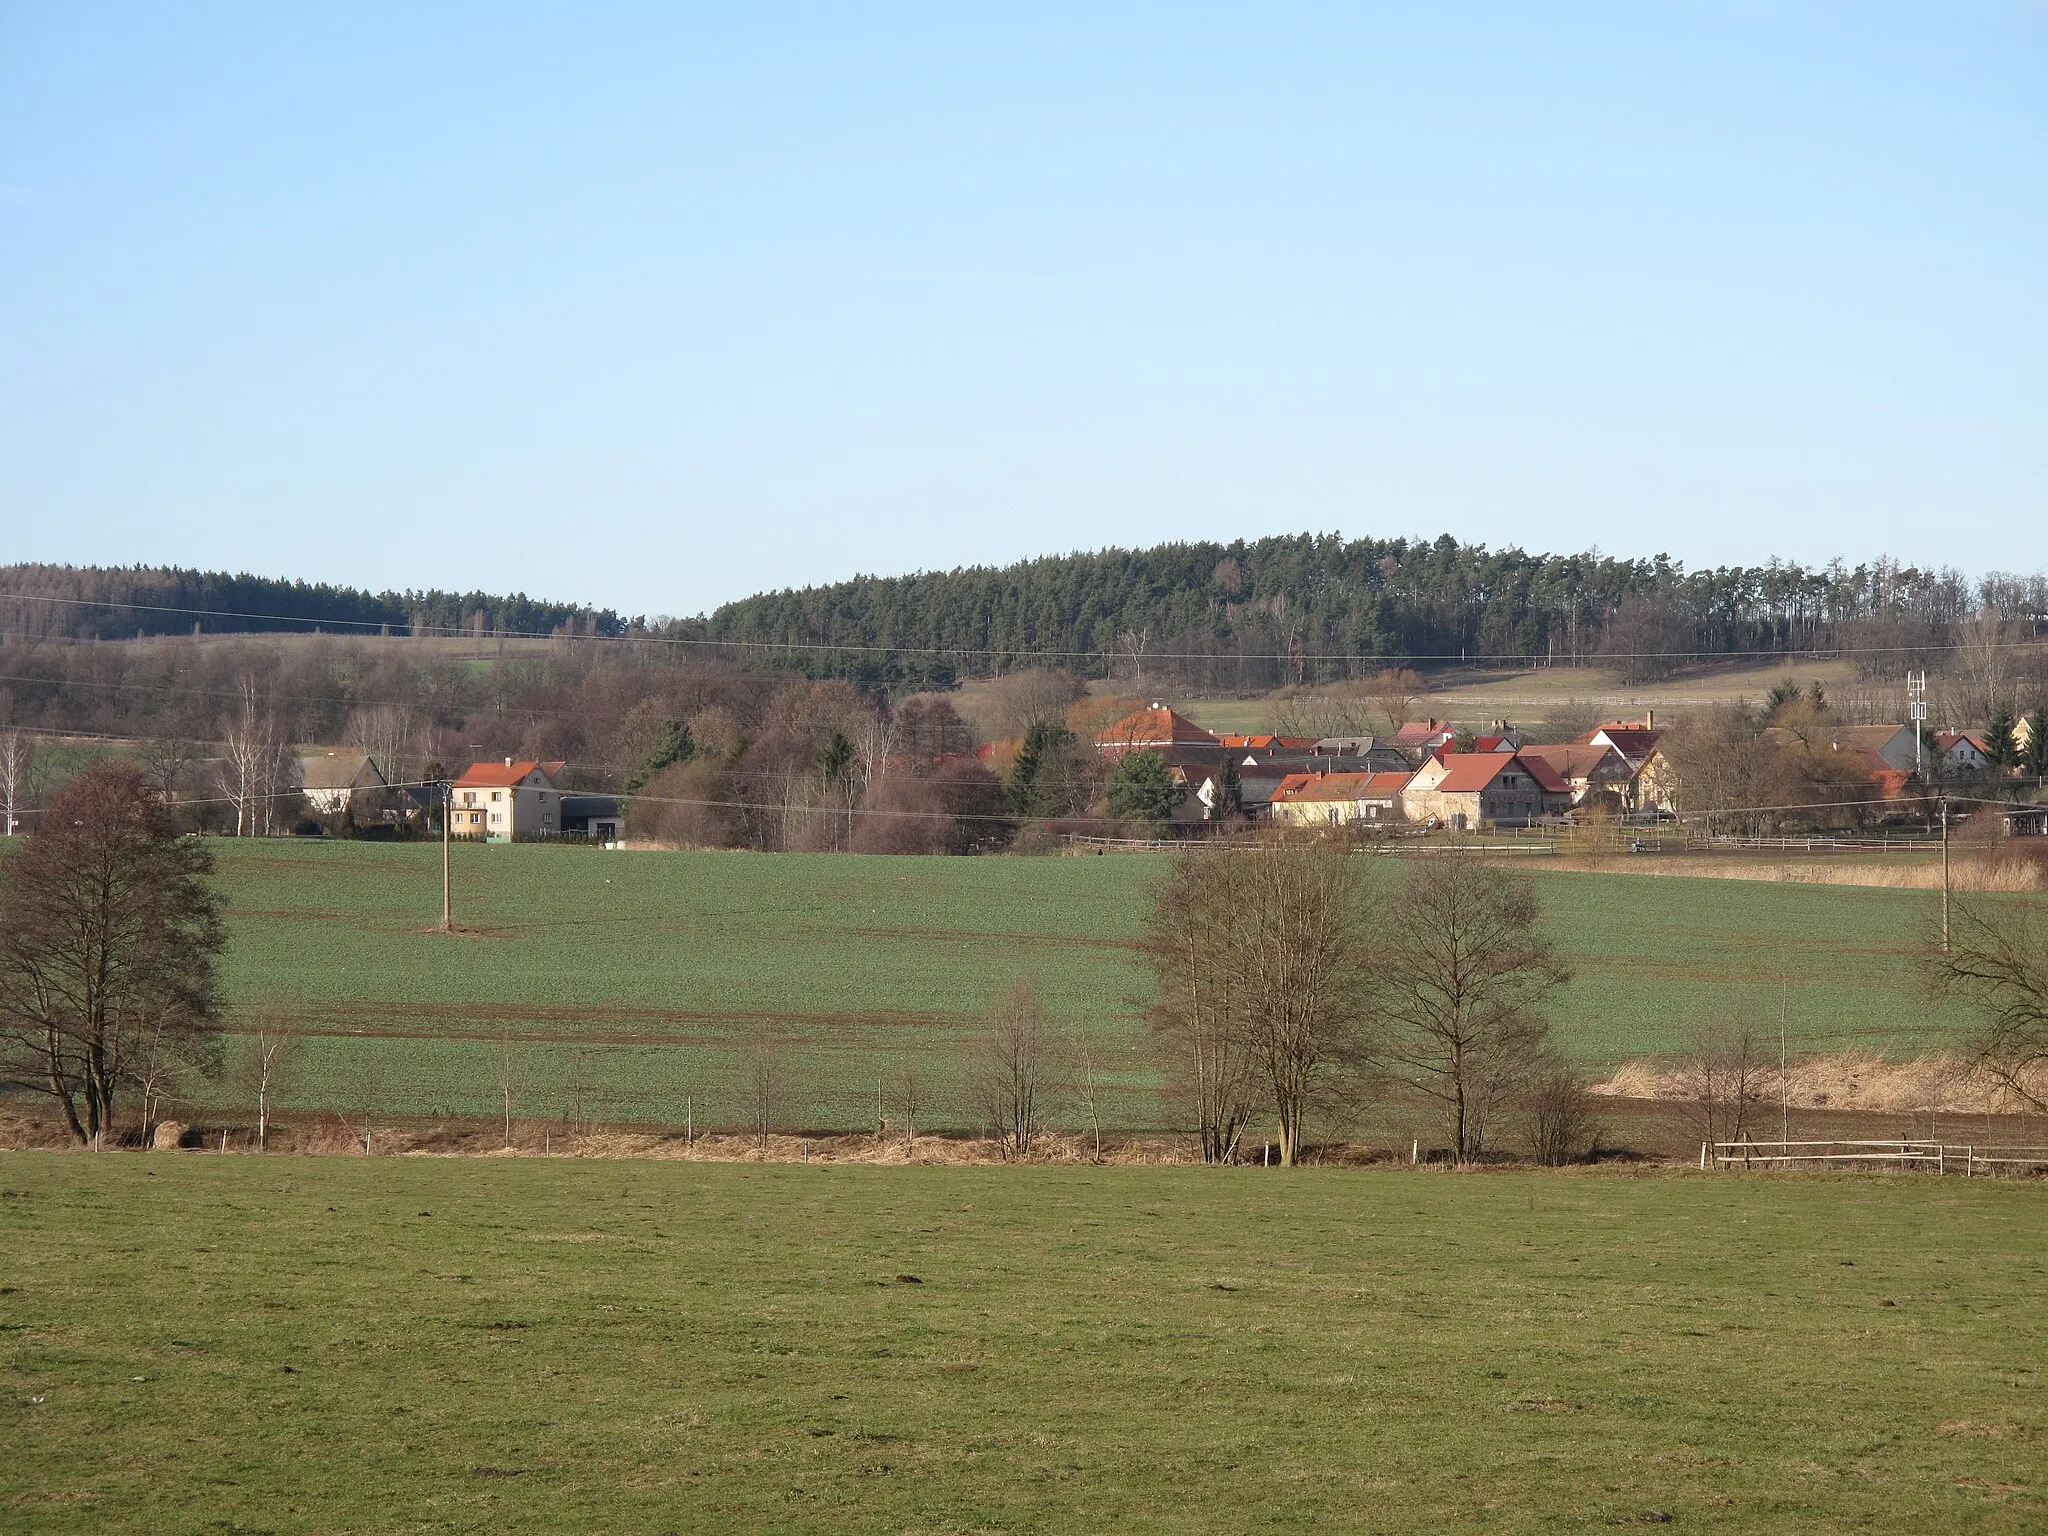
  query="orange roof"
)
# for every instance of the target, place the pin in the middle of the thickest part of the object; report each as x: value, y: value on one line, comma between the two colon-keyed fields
x: 1340, y: 786
x: 499, y: 775
x: 1471, y: 772
x: 1419, y: 732
x: 1157, y: 727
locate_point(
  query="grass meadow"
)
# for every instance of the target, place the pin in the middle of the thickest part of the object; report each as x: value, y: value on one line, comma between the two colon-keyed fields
x: 284, y: 1344
x: 628, y: 982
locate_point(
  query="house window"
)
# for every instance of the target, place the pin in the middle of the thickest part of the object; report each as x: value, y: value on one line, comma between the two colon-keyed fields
x: 496, y: 796
x: 496, y: 817
x: 469, y: 797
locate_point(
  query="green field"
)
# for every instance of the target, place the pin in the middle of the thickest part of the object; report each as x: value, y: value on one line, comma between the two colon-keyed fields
x: 194, y: 1342
x: 629, y: 980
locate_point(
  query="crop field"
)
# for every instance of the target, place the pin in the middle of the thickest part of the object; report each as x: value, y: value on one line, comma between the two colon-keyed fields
x: 627, y: 983
x: 327, y: 1344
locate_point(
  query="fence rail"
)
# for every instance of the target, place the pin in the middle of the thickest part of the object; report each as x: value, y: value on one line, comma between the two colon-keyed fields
x: 1926, y: 1156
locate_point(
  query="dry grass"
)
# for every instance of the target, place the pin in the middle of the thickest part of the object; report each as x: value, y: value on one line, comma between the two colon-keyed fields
x: 1849, y: 1081
x: 1971, y: 874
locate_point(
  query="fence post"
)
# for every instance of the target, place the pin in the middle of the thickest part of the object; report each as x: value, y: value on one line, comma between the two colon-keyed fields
x: 1414, y: 1152
x: 1969, y: 1162
x: 1941, y: 1158
x: 1703, y: 1157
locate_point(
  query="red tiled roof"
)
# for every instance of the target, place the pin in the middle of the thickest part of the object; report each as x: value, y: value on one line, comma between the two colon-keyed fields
x: 1340, y: 786
x: 1260, y: 743
x: 1417, y: 733
x: 1492, y: 744
x: 1294, y: 743
x: 1155, y: 728
x: 497, y: 775
x: 1470, y: 772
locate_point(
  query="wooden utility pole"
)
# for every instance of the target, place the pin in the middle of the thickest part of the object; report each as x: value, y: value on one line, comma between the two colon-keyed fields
x: 447, y: 886
x: 1944, y: 874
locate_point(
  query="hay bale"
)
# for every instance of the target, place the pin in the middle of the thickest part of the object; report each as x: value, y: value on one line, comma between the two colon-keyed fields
x: 170, y: 1134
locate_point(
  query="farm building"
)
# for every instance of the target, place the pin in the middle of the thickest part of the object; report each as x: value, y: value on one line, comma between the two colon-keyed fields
x: 1337, y: 799
x: 333, y: 779
x: 1476, y: 789
x: 1154, y: 729
x: 1596, y: 774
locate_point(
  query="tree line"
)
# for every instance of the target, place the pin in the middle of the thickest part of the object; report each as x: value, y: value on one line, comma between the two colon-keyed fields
x: 52, y: 602
x: 1248, y: 616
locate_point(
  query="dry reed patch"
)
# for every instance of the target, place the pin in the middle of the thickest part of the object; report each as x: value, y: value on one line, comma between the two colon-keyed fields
x: 1848, y: 1081
x: 1971, y: 874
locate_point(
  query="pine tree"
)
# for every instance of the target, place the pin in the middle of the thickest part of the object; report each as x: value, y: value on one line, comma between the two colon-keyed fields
x: 1998, y: 742
x: 1142, y: 789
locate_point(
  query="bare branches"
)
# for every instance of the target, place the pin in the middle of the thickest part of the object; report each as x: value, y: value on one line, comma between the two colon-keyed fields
x: 1721, y: 1082
x: 1998, y: 959
x: 108, y: 935
x: 1010, y: 1072
x: 1261, y: 963
x: 1463, y: 978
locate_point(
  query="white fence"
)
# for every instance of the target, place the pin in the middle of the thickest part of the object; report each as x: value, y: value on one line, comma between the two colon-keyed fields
x: 1921, y: 1156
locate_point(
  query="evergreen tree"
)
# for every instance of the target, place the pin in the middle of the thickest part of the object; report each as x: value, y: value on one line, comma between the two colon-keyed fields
x: 1043, y: 777
x: 674, y: 747
x: 2036, y: 759
x: 1142, y: 789
x: 1998, y: 742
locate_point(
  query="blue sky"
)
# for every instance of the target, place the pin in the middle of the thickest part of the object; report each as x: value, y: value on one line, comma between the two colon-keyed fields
x: 657, y: 306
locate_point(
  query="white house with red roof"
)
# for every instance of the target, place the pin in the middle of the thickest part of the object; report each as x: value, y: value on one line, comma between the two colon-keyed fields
x: 1960, y: 752
x: 506, y: 802
x: 1338, y: 799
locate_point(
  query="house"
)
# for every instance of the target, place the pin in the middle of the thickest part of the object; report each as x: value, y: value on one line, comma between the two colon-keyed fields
x: 1154, y: 729
x: 1598, y: 776
x: 1367, y: 754
x: 1632, y: 740
x: 1337, y: 799
x: 333, y: 779
x: 1467, y: 790
x: 506, y: 802
x: 595, y: 817
x: 1893, y: 743
x: 1418, y: 738
x: 1959, y: 752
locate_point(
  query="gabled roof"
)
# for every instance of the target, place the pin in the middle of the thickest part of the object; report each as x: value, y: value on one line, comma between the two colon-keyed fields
x: 1634, y: 742
x: 501, y: 775
x: 1420, y: 733
x: 331, y: 771
x: 1574, y: 759
x: 1948, y: 740
x: 1468, y: 773
x: 1156, y: 727
x: 1493, y: 744
x: 1299, y: 787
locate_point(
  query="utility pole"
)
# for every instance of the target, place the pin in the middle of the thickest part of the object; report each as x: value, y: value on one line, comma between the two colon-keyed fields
x: 447, y: 885
x: 1944, y: 874
x: 1916, y: 706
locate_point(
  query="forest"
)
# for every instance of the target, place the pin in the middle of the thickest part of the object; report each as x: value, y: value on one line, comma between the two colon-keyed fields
x: 1307, y: 608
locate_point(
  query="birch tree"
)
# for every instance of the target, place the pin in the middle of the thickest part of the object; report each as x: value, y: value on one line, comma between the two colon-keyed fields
x: 17, y: 775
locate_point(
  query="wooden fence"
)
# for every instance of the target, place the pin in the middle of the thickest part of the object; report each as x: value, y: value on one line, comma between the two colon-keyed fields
x: 1907, y: 1153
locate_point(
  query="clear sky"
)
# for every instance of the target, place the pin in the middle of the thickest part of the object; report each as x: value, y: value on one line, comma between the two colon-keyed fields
x: 654, y: 306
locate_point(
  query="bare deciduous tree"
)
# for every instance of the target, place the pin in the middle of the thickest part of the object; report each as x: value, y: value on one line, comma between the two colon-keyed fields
x: 1300, y: 977
x: 1557, y: 1116
x: 17, y: 776
x: 1010, y: 1070
x: 1721, y: 1082
x: 909, y: 1099
x: 1997, y: 959
x: 261, y: 1069
x: 764, y: 1084
x: 1463, y: 978
x: 1194, y: 1017
x: 108, y: 935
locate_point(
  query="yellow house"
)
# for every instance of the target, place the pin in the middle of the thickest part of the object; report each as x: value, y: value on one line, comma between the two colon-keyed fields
x: 506, y: 803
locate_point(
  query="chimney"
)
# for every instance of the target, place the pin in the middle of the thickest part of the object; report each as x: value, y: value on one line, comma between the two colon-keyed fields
x: 508, y: 762
x: 1649, y: 719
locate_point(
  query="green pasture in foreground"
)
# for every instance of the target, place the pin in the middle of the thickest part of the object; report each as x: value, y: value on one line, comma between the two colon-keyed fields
x: 633, y: 977
x: 329, y: 1344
